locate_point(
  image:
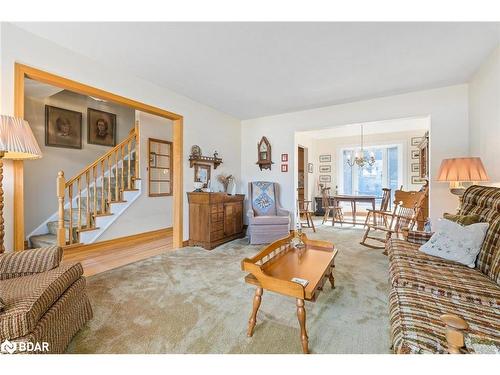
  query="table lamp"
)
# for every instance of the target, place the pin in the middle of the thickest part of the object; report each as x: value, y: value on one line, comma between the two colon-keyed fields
x: 17, y: 142
x: 456, y: 171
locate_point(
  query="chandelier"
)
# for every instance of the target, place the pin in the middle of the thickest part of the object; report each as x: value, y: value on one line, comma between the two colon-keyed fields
x: 359, y: 157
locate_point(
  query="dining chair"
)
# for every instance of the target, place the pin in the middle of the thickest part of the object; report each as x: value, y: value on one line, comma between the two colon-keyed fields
x: 306, y: 213
x: 335, y: 210
x: 380, y: 216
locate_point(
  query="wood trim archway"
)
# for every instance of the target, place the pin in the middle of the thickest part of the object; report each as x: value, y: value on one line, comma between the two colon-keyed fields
x: 23, y: 71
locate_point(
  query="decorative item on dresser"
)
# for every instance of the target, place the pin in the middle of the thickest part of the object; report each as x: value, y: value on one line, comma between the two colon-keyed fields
x: 17, y: 142
x: 214, y: 218
x: 225, y: 180
x: 264, y: 154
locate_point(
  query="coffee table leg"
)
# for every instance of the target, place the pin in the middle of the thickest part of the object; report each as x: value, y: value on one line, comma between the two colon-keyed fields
x: 331, y: 277
x: 256, y: 304
x: 301, y: 315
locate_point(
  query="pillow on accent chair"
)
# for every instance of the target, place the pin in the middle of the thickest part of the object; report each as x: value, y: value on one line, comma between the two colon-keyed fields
x: 455, y: 242
x: 463, y: 219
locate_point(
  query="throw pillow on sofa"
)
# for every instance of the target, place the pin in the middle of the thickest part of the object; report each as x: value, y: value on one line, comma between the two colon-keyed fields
x: 455, y: 242
x: 463, y: 219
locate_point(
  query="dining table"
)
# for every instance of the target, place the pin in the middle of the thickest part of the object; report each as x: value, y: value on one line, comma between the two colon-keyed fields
x: 353, y: 200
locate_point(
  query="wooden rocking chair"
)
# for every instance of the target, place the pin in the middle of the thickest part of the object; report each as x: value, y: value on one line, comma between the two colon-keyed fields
x: 407, y: 206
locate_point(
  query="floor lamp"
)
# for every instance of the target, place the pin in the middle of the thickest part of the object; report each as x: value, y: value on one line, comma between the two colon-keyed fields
x: 17, y: 142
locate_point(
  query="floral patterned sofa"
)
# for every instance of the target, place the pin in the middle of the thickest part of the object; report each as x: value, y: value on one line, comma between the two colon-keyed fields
x: 424, y: 288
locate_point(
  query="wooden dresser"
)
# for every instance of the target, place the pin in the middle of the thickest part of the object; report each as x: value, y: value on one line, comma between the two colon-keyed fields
x: 214, y: 218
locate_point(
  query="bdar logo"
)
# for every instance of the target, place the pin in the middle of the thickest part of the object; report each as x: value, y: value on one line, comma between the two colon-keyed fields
x: 8, y: 347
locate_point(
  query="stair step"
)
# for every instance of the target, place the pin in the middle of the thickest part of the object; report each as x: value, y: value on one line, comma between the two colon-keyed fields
x: 43, y: 240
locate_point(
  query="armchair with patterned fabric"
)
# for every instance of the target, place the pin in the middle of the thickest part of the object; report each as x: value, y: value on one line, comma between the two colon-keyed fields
x: 41, y: 299
x: 267, y: 220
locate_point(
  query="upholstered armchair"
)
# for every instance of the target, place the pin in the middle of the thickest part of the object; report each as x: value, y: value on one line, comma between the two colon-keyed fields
x: 267, y: 220
x: 41, y: 299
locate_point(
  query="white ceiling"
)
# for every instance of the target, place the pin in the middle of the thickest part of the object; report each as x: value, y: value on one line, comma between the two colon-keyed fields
x: 256, y: 69
x: 373, y: 127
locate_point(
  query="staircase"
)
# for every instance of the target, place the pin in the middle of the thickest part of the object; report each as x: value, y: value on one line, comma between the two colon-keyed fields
x: 89, y: 202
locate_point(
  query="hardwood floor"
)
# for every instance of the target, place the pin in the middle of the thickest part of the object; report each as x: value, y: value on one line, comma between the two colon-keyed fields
x: 97, y: 258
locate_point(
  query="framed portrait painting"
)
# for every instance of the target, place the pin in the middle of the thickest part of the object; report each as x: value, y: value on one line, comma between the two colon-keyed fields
x: 101, y: 128
x: 63, y: 128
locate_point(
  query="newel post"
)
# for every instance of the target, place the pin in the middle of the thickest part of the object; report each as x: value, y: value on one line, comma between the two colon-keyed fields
x: 61, y: 232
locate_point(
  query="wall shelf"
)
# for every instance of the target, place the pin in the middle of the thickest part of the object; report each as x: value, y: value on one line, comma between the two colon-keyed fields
x: 205, y: 159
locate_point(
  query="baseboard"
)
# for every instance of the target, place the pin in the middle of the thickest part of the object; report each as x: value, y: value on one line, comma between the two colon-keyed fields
x: 128, y: 240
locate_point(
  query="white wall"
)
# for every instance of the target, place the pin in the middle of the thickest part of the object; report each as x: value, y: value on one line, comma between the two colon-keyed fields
x: 484, y: 113
x: 40, y: 175
x: 447, y: 108
x: 203, y: 125
x: 146, y: 213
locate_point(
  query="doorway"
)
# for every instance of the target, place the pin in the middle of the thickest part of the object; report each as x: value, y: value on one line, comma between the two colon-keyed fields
x: 301, y: 174
x: 22, y: 72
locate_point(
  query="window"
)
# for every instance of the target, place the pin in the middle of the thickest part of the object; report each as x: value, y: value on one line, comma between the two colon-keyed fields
x: 160, y: 167
x: 386, y: 172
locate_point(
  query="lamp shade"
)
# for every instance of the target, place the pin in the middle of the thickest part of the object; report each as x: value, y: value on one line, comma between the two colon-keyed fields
x: 462, y: 170
x: 17, y: 140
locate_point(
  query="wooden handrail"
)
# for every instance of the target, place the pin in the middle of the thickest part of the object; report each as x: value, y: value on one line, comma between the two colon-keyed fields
x: 97, y: 161
x: 88, y: 208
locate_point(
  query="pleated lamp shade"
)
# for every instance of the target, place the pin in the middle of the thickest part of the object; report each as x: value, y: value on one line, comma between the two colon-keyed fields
x: 462, y: 170
x: 17, y: 140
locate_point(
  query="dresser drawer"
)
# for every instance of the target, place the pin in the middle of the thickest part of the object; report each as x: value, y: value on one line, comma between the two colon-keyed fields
x: 219, y: 225
x: 214, y: 236
x: 217, y: 217
x: 215, y: 208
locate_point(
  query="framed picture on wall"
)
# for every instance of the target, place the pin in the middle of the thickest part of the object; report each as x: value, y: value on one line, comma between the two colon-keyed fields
x: 416, y: 180
x: 415, y: 154
x: 415, y: 141
x: 325, y: 178
x: 284, y: 167
x: 310, y: 167
x: 284, y: 157
x: 325, y: 169
x: 101, y: 128
x: 325, y: 158
x: 415, y: 167
x: 63, y: 128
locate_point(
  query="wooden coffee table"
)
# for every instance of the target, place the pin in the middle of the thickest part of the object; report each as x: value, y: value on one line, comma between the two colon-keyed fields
x: 274, y: 267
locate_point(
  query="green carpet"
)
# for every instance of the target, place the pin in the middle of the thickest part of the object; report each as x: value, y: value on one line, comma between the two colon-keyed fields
x: 195, y: 301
